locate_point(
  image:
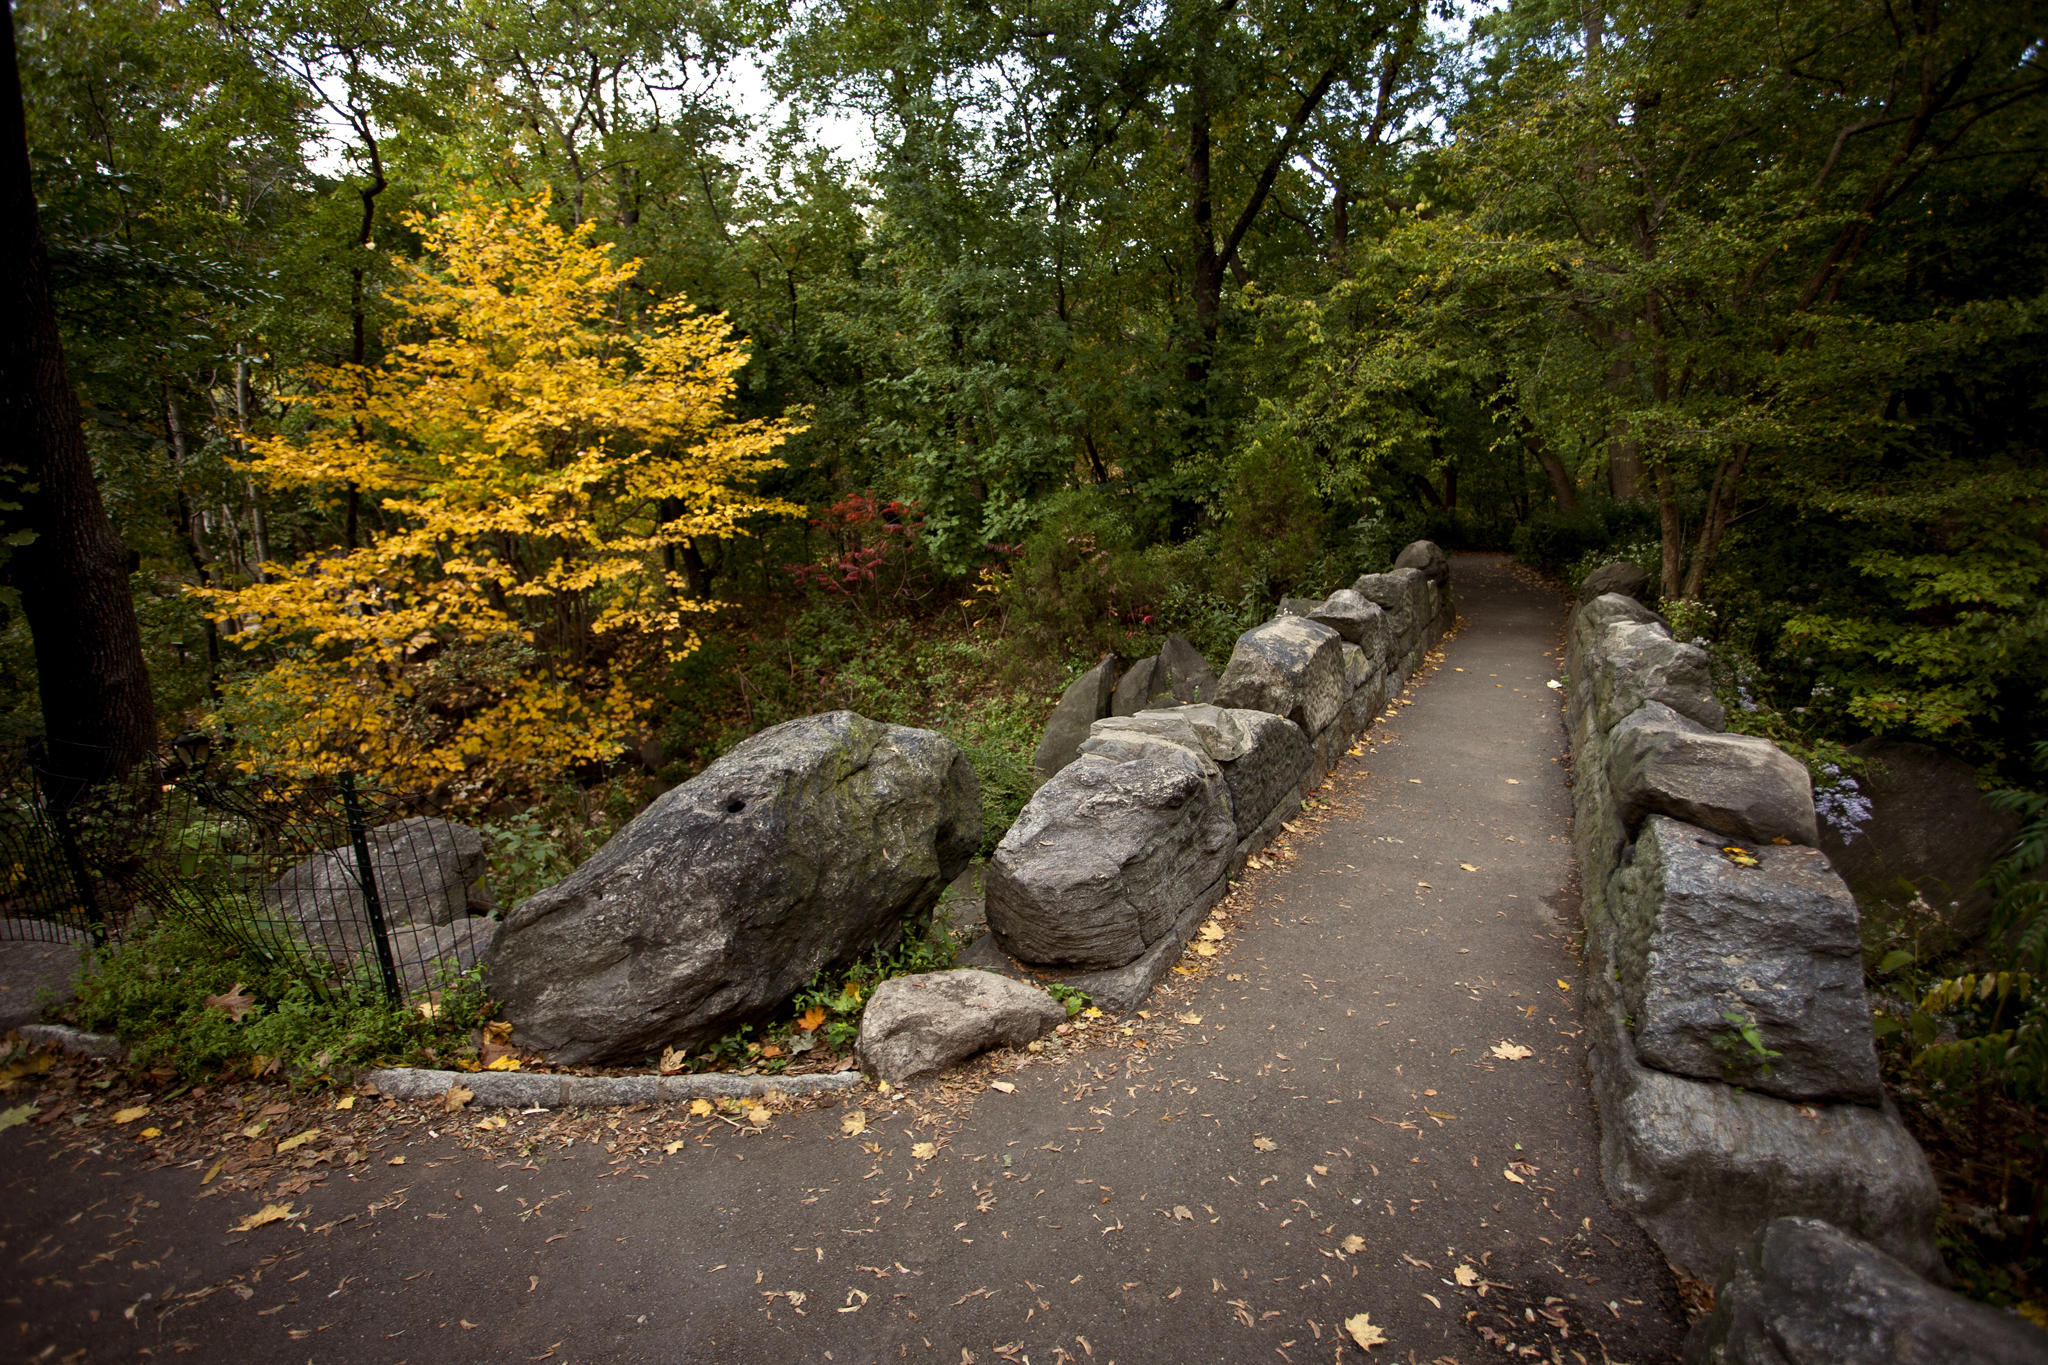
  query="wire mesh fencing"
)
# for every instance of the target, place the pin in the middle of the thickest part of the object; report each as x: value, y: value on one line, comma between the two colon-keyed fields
x: 337, y: 884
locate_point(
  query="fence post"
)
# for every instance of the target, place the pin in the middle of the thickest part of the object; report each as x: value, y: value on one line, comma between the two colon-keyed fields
x: 371, y: 904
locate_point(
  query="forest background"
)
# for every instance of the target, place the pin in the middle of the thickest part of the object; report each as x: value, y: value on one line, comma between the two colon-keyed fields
x: 488, y: 403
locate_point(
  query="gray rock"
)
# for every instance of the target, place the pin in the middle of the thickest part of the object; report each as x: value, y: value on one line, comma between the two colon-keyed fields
x: 1621, y: 577
x: 1409, y: 611
x: 1358, y: 668
x: 806, y: 847
x: 1299, y: 606
x: 1265, y: 758
x: 1144, y: 684
x: 1188, y: 675
x: 1103, y: 859
x: 1583, y: 656
x: 424, y: 869
x: 1701, y: 1164
x: 1291, y: 667
x: 36, y: 956
x: 916, y: 1025
x: 1742, y: 786
x: 1694, y: 937
x: 1633, y: 663
x: 1086, y: 700
x: 1424, y: 555
x: 1930, y: 833
x: 1349, y: 614
x: 1116, y: 989
x: 1803, y: 1293
x: 422, y: 952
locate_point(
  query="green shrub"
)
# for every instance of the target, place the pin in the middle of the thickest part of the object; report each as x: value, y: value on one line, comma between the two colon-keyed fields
x: 152, y: 991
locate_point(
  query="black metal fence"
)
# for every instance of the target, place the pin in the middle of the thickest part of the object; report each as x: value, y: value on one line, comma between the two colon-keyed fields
x: 336, y: 883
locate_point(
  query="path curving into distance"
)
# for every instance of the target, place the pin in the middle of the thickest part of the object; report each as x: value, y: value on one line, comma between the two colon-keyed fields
x: 1313, y: 1126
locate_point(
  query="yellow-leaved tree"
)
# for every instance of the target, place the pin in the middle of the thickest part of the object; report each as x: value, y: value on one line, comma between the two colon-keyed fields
x: 534, y: 449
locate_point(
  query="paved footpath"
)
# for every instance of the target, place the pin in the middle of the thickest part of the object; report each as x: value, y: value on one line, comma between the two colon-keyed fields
x: 1316, y: 1125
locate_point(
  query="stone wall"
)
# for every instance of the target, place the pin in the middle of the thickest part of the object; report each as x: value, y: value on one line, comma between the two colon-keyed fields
x: 1732, y: 1055
x: 1139, y: 827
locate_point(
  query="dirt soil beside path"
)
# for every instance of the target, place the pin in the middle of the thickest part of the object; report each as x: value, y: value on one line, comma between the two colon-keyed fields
x: 1370, y: 1101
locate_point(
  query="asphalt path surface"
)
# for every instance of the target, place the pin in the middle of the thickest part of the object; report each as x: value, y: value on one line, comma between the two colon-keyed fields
x: 1370, y: 1101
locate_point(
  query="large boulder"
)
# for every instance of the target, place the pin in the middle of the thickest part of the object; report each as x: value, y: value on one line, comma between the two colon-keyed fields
x: 1143, y: 684
x: 1701, y: 1164
x: 802, y: 850
x: 1803, y: 1293
x: 1086, y: 700
x: 916, y: 1025
x: 1188, y: 675
x: 1292, y: 667
x: 1621, y: 577
x: 426, y: 870
x: 1423, y: 555
x: 1104, y: 858
x: 1704, y: 943
x: 1923, y: 830
x: 1742, y: 786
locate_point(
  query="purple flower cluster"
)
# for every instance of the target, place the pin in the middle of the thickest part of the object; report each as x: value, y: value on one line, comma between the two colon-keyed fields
x: 1841, y: 803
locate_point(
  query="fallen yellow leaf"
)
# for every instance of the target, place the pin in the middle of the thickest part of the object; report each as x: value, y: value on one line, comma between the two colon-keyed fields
x: 505, y: 1063
x: 854, y: 1124
x: 345, y: 1102
x: 1563, y: 984
x: 811, y: 1018
x: 1212, y: 930
x: 1188, y: 1018
x: 1265, y: 1144
x: 457, y: 1096
x: 1466, y: 1276
x: 211, y: 1172
x: 1205, y: 950
x: 1468, y: 867
x: 1512, y: 1176
x: 924, y: 1151
x: 301, y: 1140
x: 672, y: 1059
x: 1353, y: 1244
x: 1004, y: 1086
x: 130, y: 1115
x: 1363, y: 1332
x: 675, y: 1147
x: 396, y: 1161
x: 269, y: 1213
x: 492, y: 1123
x: 700, y: 1108
x: 1510, y: 1051
x: 151, y: 1133
x: 758, y: 1115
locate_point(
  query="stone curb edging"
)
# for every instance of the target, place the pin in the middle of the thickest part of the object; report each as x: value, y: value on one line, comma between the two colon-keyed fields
x: 536, y: 1089
x: 64, y: 1038
x: 509, y: 1089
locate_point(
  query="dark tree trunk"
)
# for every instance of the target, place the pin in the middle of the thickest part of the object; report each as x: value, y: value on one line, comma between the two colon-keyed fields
x: 1561, y: 486
x: 73, y: 576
